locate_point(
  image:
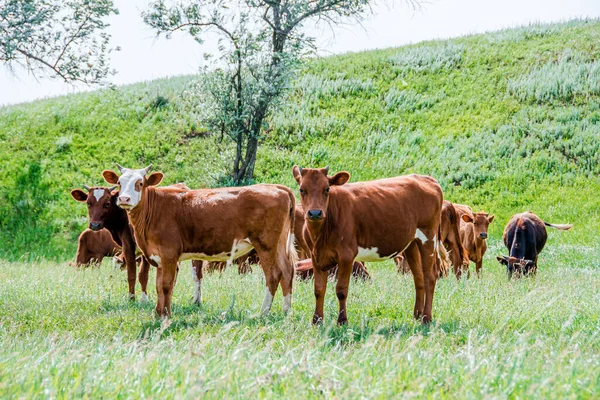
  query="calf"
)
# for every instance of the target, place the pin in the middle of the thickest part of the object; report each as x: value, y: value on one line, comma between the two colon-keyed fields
x: 93, y: 246
x: 525, y: 236
x: 104, y: 213
x: 370, y: 221
x: 473, y: 233
x: 172, y: 225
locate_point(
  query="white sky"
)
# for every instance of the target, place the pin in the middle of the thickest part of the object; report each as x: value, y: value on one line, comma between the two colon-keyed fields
x: 143, y: 57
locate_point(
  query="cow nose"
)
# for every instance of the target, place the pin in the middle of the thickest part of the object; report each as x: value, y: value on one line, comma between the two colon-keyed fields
x: 124, y: 199
x: 483, y: 235
x: 315, y: 214
x: 95, y: 226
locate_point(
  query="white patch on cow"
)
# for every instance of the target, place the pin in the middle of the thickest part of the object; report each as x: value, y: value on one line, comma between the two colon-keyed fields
x: 266, y: 306
x: 98, y: 193
x: 144, y: 298
x: 127, y: 183
x: 287, y: 303
x: 371, y: 255
x: 156, y: 259
x: 238, y: 249
x: 435, y: 242
x: 131, y: 296
x: 421, y: 236
x: 198, y: 285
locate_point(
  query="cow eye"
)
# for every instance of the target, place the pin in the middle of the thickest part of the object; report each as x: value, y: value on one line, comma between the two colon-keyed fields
x: 327, y: 191
x: 302, y: 192
x: 106, y: 205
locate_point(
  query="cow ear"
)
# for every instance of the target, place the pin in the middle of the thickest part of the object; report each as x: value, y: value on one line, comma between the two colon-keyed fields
x: 110, y: 177
x: 79, y: 195
x: 467, y: 218
x: 490, y: 218
x: 339, y: 179
x: 154, y: 178
x: 297, y: 172
x: 502, y: 260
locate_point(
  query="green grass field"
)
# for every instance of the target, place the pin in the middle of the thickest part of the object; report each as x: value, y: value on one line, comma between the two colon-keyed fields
x: 506, y: 121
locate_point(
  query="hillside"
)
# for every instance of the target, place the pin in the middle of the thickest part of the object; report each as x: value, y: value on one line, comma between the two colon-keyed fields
x: 506, y: 121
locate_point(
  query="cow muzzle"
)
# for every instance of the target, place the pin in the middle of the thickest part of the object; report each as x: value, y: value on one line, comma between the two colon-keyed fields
x: 96, y: 226
x: 124, y: 202
x: 314, y: 215
x: 483, y: 235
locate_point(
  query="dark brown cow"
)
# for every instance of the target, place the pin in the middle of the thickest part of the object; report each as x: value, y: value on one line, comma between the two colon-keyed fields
x: 371, y: 221
x: 525, y: 236
x: 474, y: 233
x: 93, y: 246
x: 104, y: 213
x: 450, y: 237
x: 173, y: 225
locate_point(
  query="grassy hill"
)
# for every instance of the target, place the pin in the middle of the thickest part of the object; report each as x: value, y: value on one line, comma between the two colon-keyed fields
x: 506, y: 121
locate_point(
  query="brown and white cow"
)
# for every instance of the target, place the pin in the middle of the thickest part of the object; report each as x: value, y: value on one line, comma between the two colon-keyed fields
x: 93, y: 246
x: 371, y: 221
x: 450, y: 237
x: 474, y: 233
x: 173, y: 225
x: 525, y: 236
x: 104, y: 213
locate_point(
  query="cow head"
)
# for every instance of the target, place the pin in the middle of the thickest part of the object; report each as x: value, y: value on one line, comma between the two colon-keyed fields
x: 518, y: 266
x: 100, y: 202
x: 132, y: 184
x: 481, y: 221
x: 314, y: 190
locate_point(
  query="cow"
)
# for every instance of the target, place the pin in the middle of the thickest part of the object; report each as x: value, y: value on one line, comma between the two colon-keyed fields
x: 104, y: 213
x: 370, y: 221
x: 93, y: 246
x: 525, y: 236
x: 473, y: 233
x: 173, y: 225
x: 450, y: 237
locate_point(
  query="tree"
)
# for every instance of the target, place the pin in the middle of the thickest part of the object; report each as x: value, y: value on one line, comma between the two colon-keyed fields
x: 63, y: 39
x: 261, y: 46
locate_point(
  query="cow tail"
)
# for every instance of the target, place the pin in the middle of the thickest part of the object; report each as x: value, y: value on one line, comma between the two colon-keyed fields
x: 292, y: 253
x: 562, y: 227
x: 442, y: 264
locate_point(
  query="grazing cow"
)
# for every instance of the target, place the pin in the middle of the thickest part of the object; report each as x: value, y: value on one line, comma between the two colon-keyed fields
x: 525, y: 236
x: 104, y: 213
x: 93, y: 246
x: 473, y: 233
x: 173, y: 225
x: 450, y: 237
x: 370, y: 221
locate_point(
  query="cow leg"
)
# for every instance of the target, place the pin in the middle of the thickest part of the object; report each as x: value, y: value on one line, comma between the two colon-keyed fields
x: 428, y: 258
x: 197, y: 275
x: 413, y: 258
x: 272, y: 277
x: 341, y: 289
x: 320, y: 282
x: 287, y: 279
x: 143, y: 278
x: 167, y: 281
x: 129, y: 254
x: 478, y: 265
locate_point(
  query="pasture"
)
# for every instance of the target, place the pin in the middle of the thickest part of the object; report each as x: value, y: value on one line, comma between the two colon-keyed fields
x: 506, y: 121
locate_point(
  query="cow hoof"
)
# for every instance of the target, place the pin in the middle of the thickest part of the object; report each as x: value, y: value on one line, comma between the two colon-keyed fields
x: 342, y: 321
x: 131, y: 297
x: 426, y: 319
x: 317, y: 320
x: 144, y: 298
x: 197, y: 301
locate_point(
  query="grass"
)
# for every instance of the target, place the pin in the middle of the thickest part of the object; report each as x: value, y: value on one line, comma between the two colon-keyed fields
x: 506, y: 121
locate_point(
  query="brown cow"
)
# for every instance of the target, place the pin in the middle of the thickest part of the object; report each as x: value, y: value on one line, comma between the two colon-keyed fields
x: 371, y: 221
x: 93, y: 246
x: 473, y: 233
x: 450, y: 237
x: 104, y: 213
x: 173, y: 225
x: 525, y: 236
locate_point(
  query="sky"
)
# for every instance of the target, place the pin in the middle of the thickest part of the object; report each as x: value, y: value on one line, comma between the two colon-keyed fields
x: 393, y: 23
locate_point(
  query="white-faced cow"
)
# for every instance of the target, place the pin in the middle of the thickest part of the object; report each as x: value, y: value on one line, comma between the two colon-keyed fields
x: 104, y: 213
x: 474, y: 233
x: 173, y: 225
x: 371, y: 221
x: 525, y: 236
x: 93, y: 246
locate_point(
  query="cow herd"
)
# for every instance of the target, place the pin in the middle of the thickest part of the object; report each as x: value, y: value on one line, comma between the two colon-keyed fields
x: 335, y: 229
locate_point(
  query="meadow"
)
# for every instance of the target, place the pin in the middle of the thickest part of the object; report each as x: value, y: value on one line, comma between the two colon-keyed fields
x: 507, y: 121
